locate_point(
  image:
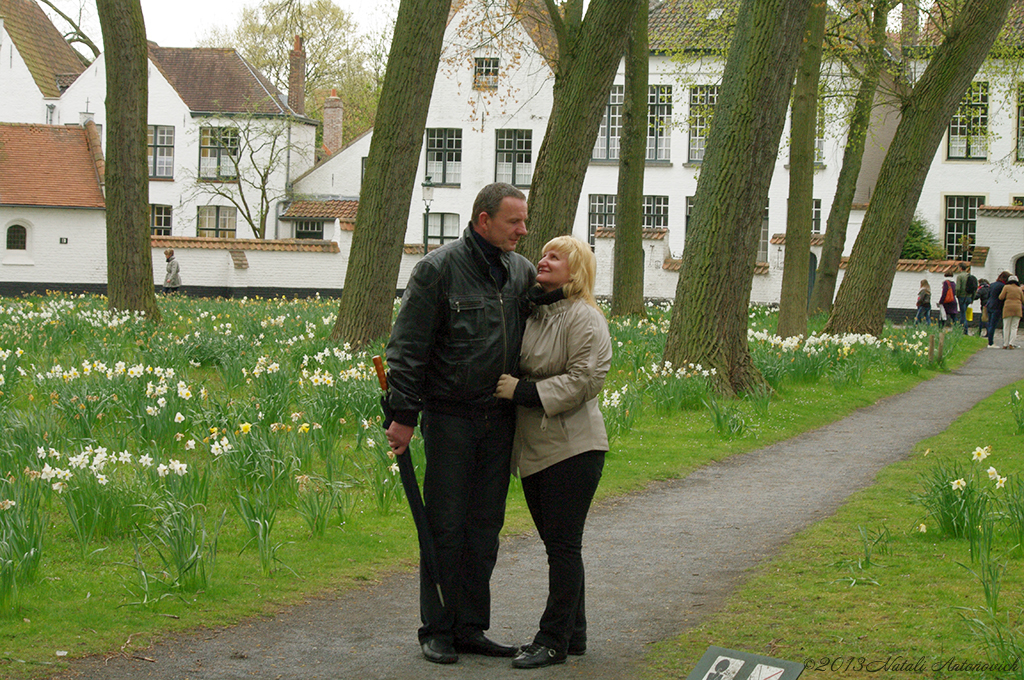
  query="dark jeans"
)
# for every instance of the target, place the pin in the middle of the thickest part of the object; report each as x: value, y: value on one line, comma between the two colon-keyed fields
x: 923, y: 313
x: 963, y: 303
x: 995, y: 320
x: 464, y: 488
x: 559, y: 498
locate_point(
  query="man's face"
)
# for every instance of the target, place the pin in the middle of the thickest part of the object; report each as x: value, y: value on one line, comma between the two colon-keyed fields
x: 507, y: 226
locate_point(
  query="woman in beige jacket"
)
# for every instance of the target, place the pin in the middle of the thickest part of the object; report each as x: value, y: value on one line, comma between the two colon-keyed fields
x: 560, y: 435
x: 1013, y: 306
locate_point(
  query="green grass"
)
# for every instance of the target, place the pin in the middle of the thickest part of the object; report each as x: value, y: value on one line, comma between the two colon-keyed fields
x: 826, y: 598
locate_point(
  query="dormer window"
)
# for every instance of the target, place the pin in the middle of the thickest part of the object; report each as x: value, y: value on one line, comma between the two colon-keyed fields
x: 485, y: 73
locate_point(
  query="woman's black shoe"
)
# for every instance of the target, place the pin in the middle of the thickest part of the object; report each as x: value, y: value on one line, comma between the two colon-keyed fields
x: 537, y: 656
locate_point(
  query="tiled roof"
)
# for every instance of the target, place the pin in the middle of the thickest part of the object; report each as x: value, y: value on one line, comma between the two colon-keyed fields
x: 980, y: 256
x: 344, y: 210
x: 780, y: 240
x: 243, y: 244
x: 51, y: 60
x: 673, y: 265
x: 649, y: 233
x: 47, y: 165
x: 217, y: 80
x: 1001, y: 211
x: 693, y: 25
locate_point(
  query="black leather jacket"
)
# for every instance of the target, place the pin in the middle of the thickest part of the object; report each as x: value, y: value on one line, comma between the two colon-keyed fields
x: 457, y: 332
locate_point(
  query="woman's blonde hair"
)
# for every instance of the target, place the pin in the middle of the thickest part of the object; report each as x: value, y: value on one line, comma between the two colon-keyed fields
x: 924, y: 284
x: 582, y: 267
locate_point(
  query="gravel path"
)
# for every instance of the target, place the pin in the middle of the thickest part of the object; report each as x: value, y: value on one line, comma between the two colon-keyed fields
x: 657, y: 561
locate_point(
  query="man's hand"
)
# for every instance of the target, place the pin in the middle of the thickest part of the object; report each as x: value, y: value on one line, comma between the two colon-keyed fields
x: 506, y: 387
x: 399, y: 437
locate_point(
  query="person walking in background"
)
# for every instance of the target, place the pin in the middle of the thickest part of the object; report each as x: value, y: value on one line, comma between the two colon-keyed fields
x: 966, y: 287
x: 947, y: 299
x: 1013, y: 307
x: 982, y: 296
x: 173, y: 279
x: 924, y: 303
x: 561, y: 440
x: 995, y: 306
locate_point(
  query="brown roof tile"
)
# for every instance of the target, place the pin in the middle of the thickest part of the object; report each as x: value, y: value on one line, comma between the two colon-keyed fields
x: 649, y: 233
x: 344, y: 210
x: 780, y: 240
x: 243, y: 244
x: 1001, y: 211
x: 54, y: 64
x: 692, y: 25
x: 47, y: 165
x: 217, y: 80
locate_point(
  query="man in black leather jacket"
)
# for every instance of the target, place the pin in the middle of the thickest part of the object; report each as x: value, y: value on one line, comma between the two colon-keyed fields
x: 459, y: 328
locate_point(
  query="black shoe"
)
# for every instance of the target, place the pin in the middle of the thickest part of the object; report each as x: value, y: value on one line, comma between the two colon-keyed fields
x: 482, y: 645
x: 537, y: 656
x: 439, y: 651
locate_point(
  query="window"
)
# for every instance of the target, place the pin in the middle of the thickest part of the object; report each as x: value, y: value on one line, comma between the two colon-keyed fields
x: 444, y: 155
x: 485, y: 73
x: 819, y: 137
x: 218, y: 153
x: 762, y: 244
x: 442, y: 228
x: 602, y: 214
x: 659, y: 122
x: 1017, y: 201
x: 816, y: 217
x: 160, y: 220
x: 655, y: 211
x: 161, y: 151
x: 216, y: 221
x: 961, y: 221
x: 311, y: 229
x: 702, y: 106
x: 607, y: 145
x: 968, y: 130
x: 514, y: 158
x: 17, y: 237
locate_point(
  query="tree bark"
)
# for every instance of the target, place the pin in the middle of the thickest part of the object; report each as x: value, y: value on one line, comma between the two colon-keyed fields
x: 853, y: 156
x: 367, y: 300
x: 709, y: 318
x: 795, y: 275
x: 129, y: 258
x: 589, y: 51
x: 864, y: 294
x: 628, y: 281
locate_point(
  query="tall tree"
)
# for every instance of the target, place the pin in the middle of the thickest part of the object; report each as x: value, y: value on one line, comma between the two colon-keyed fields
x: 129, y: 258
x: 709, y: 318
x: 628, y: 281
x: 590, y: 48
x: 364, y: 313
x: 864, y: 294
x: 872, y: 61
x: 799, y: 211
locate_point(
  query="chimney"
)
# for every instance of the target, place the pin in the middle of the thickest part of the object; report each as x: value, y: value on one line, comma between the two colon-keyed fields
x: 910, y: 24
x: 92, y: 137
x: 333, y: 115
x: 297, y: 78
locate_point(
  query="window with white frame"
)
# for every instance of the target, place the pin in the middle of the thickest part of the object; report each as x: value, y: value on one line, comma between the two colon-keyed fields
x: 659, y: 122
x: 762, y: 244
x: 442, y: 228
x: 703, y: 99
x: 961, y: 222
x: 218, y: 153
x: 309, y: 229
x: 968, y: 130
x: 17, y: 237
x: 601, y: 214
x: 514, y: 157
x: 819, y: 137
x: 160, y: 220
x: 606, y: 148
x: 160, y: 148
x: 217, y: 221
x: 444, y: 155
x: 485, y: 73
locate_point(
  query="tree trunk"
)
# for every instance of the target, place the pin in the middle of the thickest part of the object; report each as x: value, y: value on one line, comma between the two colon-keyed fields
x: 628, y: 281
x: 367, y: 299
x: 853, y: 156
x: 709, y: 318
x: 589, y: 51
x: 799, y: 211
x: 864, y: 294
x: 129, y: 257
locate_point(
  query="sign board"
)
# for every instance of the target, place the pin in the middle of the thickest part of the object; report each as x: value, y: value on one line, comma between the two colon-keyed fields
x: 719, y: 663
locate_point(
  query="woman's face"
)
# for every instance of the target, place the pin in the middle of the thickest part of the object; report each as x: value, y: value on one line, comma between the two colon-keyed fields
x: 552, y: 271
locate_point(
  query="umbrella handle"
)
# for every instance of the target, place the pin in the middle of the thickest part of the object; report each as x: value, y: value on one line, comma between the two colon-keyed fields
x: 382, y: 377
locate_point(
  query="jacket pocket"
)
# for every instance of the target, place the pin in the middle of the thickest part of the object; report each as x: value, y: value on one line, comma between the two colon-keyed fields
x: 467, y: 318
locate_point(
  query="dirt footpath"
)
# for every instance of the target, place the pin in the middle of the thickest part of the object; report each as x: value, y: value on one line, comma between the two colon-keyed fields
x: 657, y: 561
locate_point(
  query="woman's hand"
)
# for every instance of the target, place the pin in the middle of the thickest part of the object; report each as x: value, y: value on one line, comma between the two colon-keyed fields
x: 506, y: 387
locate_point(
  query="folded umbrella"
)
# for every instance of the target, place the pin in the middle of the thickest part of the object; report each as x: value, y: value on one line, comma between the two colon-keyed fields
x: 428, y: 554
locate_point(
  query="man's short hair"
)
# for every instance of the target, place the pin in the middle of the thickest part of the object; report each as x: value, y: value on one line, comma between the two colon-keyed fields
x: 490, y: 197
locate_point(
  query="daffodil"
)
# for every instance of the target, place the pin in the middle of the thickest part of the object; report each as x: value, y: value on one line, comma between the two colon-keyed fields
x: 958, y: 484
x: 1001, y: 482
x: 245, y: 427
x: 178, y: 418
x: 981, y: 454
x: 922, y: 528
x: 992, y: 474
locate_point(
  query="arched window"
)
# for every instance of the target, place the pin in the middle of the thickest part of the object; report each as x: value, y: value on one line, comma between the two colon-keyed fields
x: 17, y: 237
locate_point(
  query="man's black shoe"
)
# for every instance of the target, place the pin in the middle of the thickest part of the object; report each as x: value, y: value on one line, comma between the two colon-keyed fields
x: 480, y: 644
x: 537, y: 656
x: 439, y: 651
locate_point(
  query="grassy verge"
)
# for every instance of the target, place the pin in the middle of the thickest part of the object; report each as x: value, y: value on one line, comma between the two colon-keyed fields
x: 867, y: 587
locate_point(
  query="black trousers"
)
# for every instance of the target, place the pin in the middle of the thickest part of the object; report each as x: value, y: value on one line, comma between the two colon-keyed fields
x: 559, y: 499
x: 465, y: 485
